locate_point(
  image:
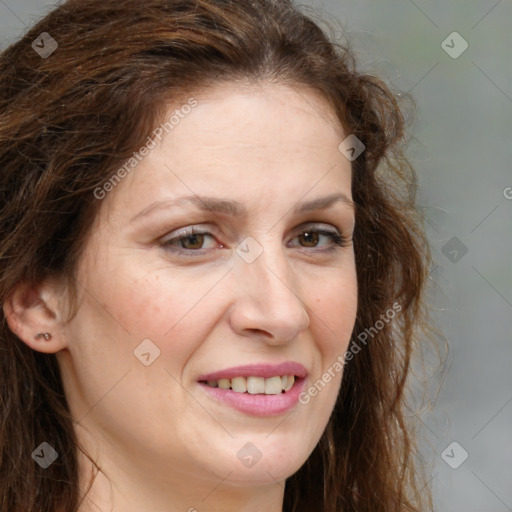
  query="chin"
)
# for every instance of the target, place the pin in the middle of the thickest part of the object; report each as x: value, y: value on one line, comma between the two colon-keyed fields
x: 264, y: 465
x: 262, y: 474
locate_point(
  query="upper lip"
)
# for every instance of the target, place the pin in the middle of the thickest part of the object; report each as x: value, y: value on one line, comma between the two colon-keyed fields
x: 258, y: 370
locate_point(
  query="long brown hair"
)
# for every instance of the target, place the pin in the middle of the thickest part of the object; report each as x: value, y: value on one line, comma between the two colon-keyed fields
x: 70, y: 119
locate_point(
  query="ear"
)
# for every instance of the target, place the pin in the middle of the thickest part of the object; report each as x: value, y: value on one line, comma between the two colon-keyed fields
x: 33, y: 309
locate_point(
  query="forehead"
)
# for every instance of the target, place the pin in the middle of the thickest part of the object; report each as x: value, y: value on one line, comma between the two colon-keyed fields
x: 235, y: 140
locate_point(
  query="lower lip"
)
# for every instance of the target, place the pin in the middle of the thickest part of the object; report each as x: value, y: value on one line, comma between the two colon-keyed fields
x: 258, y: 405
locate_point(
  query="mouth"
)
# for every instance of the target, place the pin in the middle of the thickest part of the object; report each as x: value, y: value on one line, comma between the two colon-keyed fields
x: 254, y: 385
x: 258, y: 390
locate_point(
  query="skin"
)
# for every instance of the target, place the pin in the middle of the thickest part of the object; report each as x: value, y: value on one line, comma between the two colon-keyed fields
x: 161, y: 442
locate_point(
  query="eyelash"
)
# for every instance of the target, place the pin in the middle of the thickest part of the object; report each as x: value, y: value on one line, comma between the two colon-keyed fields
x: 340, y: 240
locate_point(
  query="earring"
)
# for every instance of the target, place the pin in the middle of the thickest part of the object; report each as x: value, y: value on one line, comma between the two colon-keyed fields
x: 46, y: 335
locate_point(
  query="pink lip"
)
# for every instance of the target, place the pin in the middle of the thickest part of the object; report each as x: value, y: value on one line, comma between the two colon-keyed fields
x: 260, y: 404
x: 258, y: 370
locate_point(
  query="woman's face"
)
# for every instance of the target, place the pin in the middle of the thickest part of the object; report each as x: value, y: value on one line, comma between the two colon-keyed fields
x: 257, y: 295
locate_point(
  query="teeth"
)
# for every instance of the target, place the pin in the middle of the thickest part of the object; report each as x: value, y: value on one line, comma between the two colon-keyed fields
x: 273, y: 386
x: 239, y: 384
x: 224, y: 383
x: 255, y: 385
x: 287, y: 382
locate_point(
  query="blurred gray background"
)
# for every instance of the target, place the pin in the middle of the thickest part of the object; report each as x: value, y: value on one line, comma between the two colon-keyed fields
x: 462, y: 152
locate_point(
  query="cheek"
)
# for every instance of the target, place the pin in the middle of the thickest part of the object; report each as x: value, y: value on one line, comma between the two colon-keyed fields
x: 334, y: 319
x: 173, y: 309
x: 335, y: 309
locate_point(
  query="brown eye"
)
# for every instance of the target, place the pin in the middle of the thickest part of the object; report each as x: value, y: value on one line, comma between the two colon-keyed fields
x: 310, y: 237
x: 191, y: 242
x: 196, y: 241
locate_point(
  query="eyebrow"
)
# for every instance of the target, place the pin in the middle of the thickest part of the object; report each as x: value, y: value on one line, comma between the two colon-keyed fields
x: 237, y: 209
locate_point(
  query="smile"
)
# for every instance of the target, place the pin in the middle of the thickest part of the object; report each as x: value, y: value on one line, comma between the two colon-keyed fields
x: 255, y: 385
x: 257, y: 390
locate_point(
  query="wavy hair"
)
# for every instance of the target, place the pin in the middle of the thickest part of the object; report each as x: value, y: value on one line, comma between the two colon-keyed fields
x: 69, y: 121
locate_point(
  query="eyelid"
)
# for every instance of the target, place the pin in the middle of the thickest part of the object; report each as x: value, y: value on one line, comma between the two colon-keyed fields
x: 196, y: 229
x: 203, y: 229
x: 339, y: 238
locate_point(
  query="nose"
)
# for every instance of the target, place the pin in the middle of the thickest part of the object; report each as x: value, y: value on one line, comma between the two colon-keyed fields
x: 267, y: 301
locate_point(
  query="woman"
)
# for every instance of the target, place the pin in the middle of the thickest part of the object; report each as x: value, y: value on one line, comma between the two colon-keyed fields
x: 212, y: 271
